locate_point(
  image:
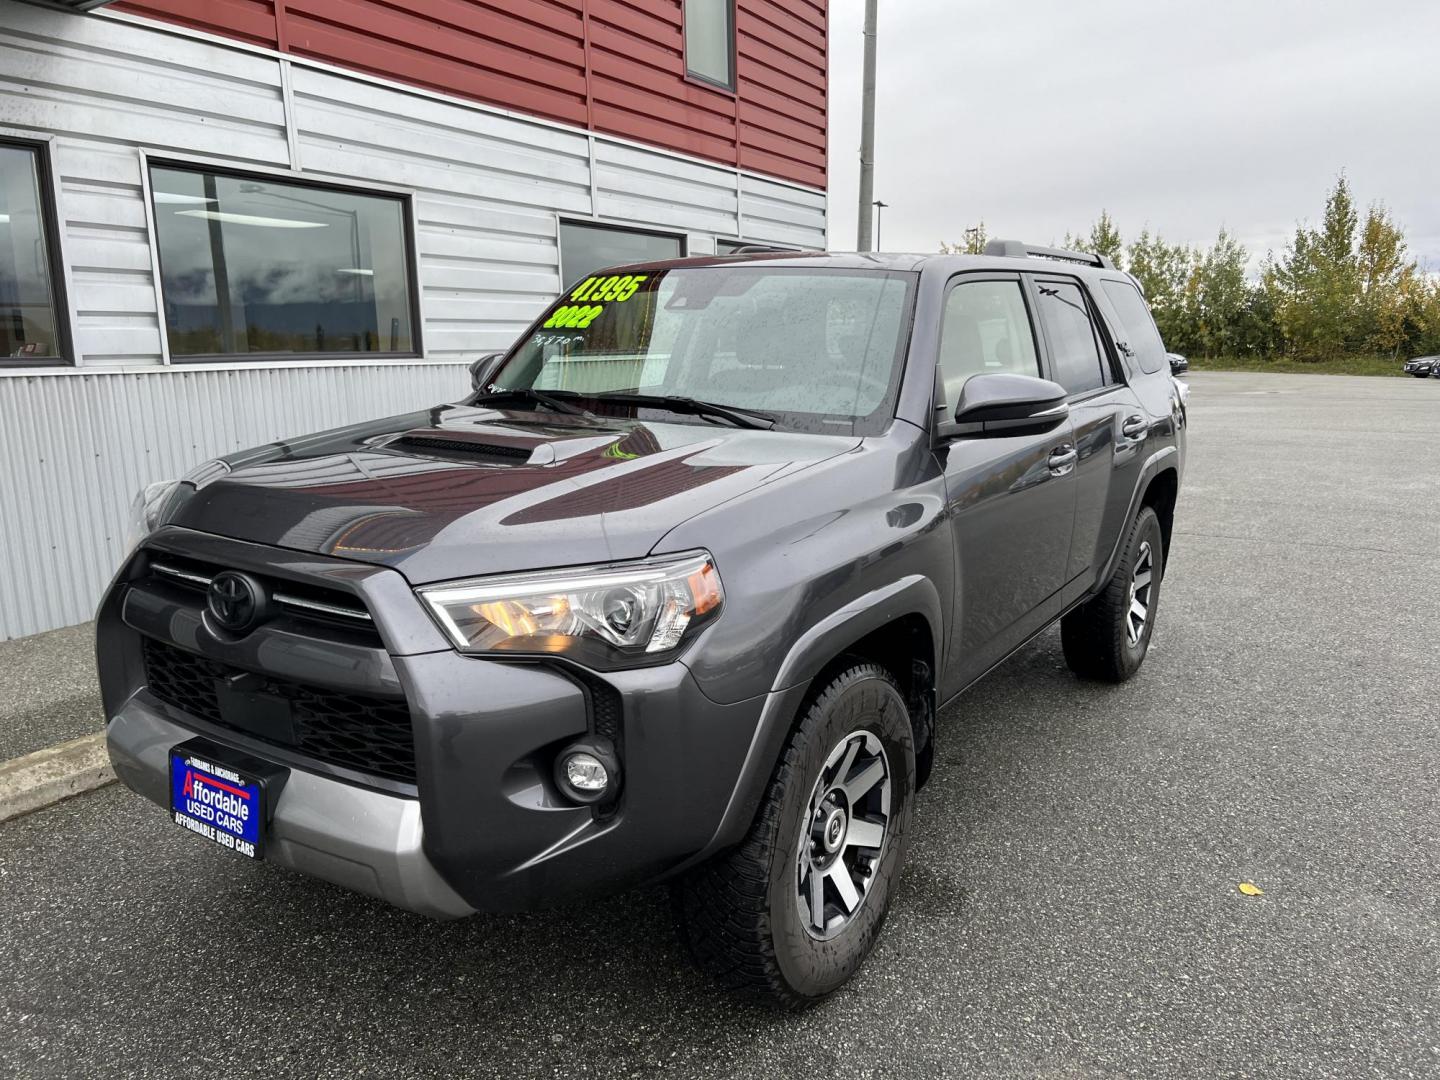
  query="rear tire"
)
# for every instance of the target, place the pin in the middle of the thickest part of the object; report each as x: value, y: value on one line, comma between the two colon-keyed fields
x: 1107, y: 637
x: 751, y: 917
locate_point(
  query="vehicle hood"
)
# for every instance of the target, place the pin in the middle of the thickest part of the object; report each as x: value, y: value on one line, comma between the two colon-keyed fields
x: 460, y: 491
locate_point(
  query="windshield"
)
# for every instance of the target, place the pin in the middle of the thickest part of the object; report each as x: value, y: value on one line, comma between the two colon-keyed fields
x: 819, y: 350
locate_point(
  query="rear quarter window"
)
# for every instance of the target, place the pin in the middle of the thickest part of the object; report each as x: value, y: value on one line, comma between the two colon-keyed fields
x: 1137, y: 325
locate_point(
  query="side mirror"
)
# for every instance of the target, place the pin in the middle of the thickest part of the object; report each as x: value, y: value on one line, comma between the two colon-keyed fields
x: 482, y: 369
x: 998, y: 405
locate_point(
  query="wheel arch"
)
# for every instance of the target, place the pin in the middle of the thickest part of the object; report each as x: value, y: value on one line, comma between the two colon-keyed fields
x: 898, y: 626
x: 1160, y: 495
x: 1163, y: 462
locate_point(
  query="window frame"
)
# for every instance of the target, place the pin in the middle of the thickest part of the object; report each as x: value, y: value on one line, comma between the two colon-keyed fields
x: 1114, y: 375
x: 561, y: 220
x: 732, y: 87
x: 1032, y: 312
x: 59, y: 269
x: 150, y: 159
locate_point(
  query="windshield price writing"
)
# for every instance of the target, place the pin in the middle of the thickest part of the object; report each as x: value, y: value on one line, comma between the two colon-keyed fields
x: 606, y: 290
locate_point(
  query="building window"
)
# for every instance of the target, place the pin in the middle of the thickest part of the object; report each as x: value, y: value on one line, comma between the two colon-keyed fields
x: 710, y: 41
x: 251, y: 265
x: 585, y: 248
x: 30, y: 324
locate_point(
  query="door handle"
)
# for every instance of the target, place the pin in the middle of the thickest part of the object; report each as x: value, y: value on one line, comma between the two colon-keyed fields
x: 1062, y: 459
x: 1135, y: 427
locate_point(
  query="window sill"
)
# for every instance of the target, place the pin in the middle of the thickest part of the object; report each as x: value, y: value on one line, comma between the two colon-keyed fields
x: 708, y: 84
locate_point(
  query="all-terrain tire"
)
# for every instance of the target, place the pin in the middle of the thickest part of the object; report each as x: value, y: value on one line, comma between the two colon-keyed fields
x: 740, y: 913
x: 1096, y: 636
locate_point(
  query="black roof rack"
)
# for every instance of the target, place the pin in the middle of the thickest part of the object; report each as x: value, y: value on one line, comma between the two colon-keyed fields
x: 768, y: 249
x: 1015, y: 249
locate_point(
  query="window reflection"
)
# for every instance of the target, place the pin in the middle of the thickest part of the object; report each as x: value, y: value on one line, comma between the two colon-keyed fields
x: 710, y: 40
x: 587, y: 248
x: 27, y: 305
x: 256, y: 266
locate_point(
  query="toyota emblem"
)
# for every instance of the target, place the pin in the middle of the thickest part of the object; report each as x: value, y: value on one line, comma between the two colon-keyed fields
x: 234, y: 600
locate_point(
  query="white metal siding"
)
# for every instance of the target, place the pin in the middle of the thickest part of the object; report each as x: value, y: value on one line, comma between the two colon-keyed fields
x: 488, y: 188
x: 76, y: 449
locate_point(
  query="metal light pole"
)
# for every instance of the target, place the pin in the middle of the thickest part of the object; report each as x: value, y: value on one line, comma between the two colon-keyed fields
x: 879, y: 212
x: 867, y: 130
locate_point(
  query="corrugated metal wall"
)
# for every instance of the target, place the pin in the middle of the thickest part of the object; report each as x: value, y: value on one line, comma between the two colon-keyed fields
x: 783, y: 64
x: 74, y: 446
x: 615, y: 66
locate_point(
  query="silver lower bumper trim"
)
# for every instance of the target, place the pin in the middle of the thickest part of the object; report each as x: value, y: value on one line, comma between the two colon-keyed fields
x: 365, y: 841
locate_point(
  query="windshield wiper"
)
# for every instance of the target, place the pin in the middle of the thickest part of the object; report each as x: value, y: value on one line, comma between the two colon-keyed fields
x: 526, y: 393
x: 735, y: 414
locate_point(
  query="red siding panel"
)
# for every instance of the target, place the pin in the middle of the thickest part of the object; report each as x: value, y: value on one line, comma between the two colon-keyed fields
x: 249, y: 20
x: 638, y: 85
x: 438, y: 58
x: 616, y: 66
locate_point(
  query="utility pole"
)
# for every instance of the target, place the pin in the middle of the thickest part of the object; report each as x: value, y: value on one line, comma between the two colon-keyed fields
x: 867, y: 130
x: 879, y: 214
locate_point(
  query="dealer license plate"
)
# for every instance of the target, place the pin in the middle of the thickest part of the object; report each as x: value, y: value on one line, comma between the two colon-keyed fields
x: 213, y: 798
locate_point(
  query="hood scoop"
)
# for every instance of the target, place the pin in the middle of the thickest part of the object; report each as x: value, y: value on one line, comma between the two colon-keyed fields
x: 457, y: 447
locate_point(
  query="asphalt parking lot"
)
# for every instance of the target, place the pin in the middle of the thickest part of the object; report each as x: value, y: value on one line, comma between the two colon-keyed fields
x: 1070, y: 905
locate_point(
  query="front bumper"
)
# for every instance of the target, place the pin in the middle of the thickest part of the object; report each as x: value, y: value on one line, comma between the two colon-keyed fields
x: 483, y: 826
x: 366, y: 841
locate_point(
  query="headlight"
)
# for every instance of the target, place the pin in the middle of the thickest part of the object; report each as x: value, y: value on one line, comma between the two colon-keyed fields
x: 147, y: 512
x: 604, y: 616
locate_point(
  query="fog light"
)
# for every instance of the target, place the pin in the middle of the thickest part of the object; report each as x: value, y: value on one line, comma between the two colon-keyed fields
x: 588, y: 771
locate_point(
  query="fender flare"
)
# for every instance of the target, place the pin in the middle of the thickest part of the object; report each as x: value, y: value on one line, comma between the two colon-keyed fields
x: 1154, y: 465
x: 812, y: 651
x: 828, y: 638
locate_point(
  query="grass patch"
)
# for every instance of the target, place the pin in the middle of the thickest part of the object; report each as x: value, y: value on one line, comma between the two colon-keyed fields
x: 1343, y: 365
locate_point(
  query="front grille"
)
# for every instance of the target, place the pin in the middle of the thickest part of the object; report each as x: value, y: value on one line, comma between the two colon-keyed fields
x: 328, y: 608
x: 356, y: 731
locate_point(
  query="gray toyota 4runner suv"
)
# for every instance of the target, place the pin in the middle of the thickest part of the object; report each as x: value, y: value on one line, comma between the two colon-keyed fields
x: 675, y: 594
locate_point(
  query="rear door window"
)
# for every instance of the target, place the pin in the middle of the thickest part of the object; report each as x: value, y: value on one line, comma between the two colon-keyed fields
x: 1137, y: 325
x: 1076, y: 358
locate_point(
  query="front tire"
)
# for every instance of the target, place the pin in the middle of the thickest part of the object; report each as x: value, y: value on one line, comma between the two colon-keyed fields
x: 792, y: 912
x: 1107, y: 637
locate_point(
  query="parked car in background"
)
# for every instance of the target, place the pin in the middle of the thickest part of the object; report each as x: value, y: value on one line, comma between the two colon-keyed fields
x: 1178, y: 364
x: 1423, y: 367
x: 676, y: 592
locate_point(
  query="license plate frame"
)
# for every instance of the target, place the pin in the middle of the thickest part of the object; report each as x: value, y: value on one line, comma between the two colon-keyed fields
x: 225, y: 796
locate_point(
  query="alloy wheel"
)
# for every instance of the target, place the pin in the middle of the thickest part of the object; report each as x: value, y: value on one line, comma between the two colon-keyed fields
x: 843, y: 834
x: 1141, y: 590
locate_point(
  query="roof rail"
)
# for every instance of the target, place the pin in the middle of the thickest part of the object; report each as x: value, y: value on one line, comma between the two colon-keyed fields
x: 1016, y: 249
x: 763, y: 249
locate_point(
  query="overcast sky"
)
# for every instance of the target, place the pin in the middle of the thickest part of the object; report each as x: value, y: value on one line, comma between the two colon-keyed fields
x: 1185, y: 116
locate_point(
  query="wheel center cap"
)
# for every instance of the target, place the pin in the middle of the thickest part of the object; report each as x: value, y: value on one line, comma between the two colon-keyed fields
x: 835, y: 826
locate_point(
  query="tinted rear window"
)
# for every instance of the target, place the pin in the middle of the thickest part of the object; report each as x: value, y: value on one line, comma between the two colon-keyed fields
x: 1075, y: 358
x: 1137, y: 325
